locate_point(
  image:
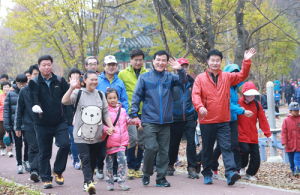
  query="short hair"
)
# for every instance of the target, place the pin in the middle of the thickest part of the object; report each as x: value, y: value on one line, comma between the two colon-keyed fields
x: 72, y: 71
x: 21, y: 78
x: 160, y: 53
x: 33, y: 67
x: 45, y: 57
x: 214, y: 52
x: 4, y: 76
x: 89, y: 72
x: 27, y: 71
x: 111, y: 90
x: 90, y: 57
x: 136, y: 52
x: 5, y: 83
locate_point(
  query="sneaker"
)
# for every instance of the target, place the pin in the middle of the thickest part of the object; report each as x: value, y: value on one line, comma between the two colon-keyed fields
x: 123, y: 186
x: 178, y: 164
x: 249, y: 177
x: 47, y: 184
x: 3, y: 152
x: 138, y: 174
x: 110, y: 187
x: 170, y: 170
x: 163, y: 183
x: 59, y: 179
x: 34, y: 176
x: 10, y: 154
x: 130, y: 174
x: 296, y: 173
x: 232, y: 178
x: 77, y: 166
x: 26, y: 166
x: 198, y: 169
x: 115, y: 178
x: 242, y: 172
x: 215, y: 174
x: 192, y: 173
x: 89, y: 187
x: 145, y: 180
x: 208, y: 180
x: 20, y: 169
x: 99, y: 174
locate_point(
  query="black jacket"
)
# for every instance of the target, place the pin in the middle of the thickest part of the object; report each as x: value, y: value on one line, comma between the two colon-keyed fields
x: 69, y: 113
x: 24, y: 115
x: 290, y: 90
x: 9, y: 110
x: 49, y: 99
x: 264, y: 101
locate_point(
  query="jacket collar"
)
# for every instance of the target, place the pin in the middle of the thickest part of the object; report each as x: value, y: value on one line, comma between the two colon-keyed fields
x: 130, y: 69
x: 159, y: 74
x: 41, y: 79
x: 102, y: 76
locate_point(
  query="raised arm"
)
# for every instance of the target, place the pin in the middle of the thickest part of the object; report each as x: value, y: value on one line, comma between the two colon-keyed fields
x: 179, y: 78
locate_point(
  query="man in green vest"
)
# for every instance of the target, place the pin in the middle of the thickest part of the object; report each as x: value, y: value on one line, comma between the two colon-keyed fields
x: 136, y: 138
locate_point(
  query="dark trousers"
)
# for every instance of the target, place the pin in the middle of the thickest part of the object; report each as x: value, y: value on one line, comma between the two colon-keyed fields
x: 277, y: 102
x: 134, y: 162
x: 33, y: 149
x: 176, y: 132
x: 88, y: 157
x: 221, y: 132
x: 101, y: 157
x: 288, y: 98
x: 45, y: 136
x: 157, y: 141
x: 234, y: 148
x: 18, y: 141
x: 252, y: 150
x: 136, y: 142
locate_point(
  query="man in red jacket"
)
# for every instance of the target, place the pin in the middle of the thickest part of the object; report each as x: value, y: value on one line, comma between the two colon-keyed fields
x: 211, y: 98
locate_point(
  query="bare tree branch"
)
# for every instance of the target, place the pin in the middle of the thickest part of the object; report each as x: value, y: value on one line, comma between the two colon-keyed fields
x: 125, y: 3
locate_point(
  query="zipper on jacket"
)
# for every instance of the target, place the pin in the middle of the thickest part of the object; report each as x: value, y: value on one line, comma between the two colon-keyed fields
x: 228, y: 103
x: 206, y: 103
x: 160, y: 103
x: 183, y: 106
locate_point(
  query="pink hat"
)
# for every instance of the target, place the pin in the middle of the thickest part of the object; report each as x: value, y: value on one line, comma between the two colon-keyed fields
x: 183, y: 61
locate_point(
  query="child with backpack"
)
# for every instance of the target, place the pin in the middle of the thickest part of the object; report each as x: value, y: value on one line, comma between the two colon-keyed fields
x: 248, y: 136
x: 290, y: 137
x: 118, y: 141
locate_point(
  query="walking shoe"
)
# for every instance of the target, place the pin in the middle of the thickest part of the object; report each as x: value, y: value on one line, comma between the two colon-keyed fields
x: 154, y: 168
x: 110, y: 187
x: 115, y: 178
x: 249, y: 177
x: 138, y: 174
x: 178, y: 164
x: 208, y: 180
x: 26, y: 166
x: 170, y: 170
x: 20, y: 169
x: 198, y: 168
x: 3, y: 152
x: 215, y: 174
x: 123, y: 186
x: 10, y: 154
x: 59, y: 179
x: 89, y: 187
x: 192, y: 173
x: 77, y: 166
x: 232, y: 178
x: 130, y: 174
x: 47, y: 184
x: 99, y: 174
x: 163, y: 183
x: 145, y: 180
x: 242, y: 172
x: 34, y: 176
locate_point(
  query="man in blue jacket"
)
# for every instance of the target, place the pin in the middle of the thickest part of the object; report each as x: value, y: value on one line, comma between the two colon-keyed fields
x: 155, y: 89
x: 235, y: 110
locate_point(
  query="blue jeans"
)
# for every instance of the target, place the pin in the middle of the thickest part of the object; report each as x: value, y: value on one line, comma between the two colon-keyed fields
x: 74, y: 149
x: 132, y: 161
x: 294, y: 158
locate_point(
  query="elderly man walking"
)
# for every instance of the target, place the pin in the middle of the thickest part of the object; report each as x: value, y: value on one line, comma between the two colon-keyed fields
x: 211, y: 98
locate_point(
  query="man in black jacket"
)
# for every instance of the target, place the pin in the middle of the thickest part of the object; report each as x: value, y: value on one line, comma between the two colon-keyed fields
x: 24, y: 122
x: 47, y: 90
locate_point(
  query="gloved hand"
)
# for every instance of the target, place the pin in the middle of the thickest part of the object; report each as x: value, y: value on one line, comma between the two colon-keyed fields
x: 37, y: 109
x: 270, y: 139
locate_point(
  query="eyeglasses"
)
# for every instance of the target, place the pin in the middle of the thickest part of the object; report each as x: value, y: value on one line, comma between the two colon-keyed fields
x: 92, y: 64
x: 135, y: 60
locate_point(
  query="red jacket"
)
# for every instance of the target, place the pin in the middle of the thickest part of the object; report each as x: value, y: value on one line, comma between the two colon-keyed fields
x: 216, y: 99
x: 247, y: 126
x: 290, y: 134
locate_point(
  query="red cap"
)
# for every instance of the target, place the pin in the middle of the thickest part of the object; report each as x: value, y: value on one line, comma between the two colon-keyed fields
x: 183, y: 61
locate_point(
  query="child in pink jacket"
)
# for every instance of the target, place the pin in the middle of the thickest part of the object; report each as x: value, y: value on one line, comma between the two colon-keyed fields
x: 117, y: 142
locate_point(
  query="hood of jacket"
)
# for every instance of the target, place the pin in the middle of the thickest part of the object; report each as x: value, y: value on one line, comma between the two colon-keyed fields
x: 247, y: 86
x: 17, y: 90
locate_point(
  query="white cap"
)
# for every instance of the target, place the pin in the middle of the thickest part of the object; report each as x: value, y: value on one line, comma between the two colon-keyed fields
x: 110, y: 59
x: 251, y: 92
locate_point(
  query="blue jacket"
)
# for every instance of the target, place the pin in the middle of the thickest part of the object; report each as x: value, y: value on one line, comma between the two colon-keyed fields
x: 235, y: 108
x: 182, y: 101
x: 104, y: 83
x: 155, y: 89
x: 277, y: 96
x: 297, y: 93
x: 277, y: 85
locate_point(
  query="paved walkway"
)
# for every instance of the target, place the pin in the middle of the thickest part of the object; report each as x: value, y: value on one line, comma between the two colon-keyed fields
x: 180, y: 184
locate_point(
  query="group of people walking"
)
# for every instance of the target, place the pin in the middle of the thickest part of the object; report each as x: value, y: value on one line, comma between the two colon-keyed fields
x: 133, y: 116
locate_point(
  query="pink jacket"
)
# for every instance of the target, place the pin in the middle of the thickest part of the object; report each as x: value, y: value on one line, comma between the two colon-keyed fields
x: 290, y: 133
x: 120, y: 139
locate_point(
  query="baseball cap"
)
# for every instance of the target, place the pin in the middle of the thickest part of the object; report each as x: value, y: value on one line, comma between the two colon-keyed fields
x: 294, y: 106
x: 110, y: 59
x: 183, y: 61
x: 251, y: 92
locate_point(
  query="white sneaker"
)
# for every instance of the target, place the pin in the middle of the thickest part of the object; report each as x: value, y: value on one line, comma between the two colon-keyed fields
x: 242, y: 172
x: 26, y: 166
x: 99, y: 174
x: 10, y: 154
x: 215, y: 174
x: 20, y: 169
x: 249, y: 177
x: 3, y: 152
